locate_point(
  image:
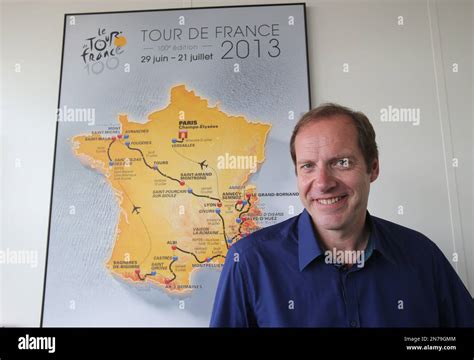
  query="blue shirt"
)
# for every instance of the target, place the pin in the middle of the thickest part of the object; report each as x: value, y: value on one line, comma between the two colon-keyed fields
x: 278, y: 277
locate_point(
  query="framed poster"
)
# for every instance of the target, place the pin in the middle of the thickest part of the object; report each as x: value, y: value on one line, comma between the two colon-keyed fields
x: 172, y: 144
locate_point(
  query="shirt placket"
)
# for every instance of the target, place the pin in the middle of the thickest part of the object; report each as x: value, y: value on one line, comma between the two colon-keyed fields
x: 349, y: 294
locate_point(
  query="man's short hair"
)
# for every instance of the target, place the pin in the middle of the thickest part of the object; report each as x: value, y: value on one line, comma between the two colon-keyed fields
x: 365, y: 131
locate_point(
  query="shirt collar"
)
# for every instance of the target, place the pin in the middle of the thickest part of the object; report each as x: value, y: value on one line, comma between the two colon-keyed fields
x: 309, y: 248
x: 378, y: 238
x: 308, y: 245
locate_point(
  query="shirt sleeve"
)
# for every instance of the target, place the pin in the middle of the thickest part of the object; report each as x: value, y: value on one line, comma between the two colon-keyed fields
x: 231, y: 304
x: 456, y: 306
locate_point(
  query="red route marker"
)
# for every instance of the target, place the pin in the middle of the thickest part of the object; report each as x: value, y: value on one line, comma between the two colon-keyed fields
x: 181, y: 183
x: 219, y: 204
x: 173, y: 247
x: 119, y: 136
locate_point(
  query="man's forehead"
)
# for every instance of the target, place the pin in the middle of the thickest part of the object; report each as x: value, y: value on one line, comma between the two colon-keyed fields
x: 327, y: 132
x: 315, y: 143
x: 328, y: 154
x: 333, y: 124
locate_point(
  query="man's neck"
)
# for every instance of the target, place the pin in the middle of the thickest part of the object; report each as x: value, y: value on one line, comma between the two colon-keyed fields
x: 355, y: 238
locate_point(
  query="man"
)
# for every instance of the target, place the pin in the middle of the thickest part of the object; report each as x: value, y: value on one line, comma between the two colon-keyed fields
x: 335, y: 265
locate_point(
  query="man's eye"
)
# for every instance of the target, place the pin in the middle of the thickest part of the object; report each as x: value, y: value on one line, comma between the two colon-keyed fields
x: 306, y: 166
x: 344, y: 163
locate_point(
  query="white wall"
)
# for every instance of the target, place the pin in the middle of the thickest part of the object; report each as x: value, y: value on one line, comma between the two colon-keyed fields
x: 403, y: 66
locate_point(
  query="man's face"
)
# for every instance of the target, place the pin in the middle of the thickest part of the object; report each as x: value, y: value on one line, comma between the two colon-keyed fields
x: 333, y: 181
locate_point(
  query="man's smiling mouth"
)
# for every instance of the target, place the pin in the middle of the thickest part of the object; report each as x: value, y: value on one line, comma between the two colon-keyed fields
x: 330, y: 201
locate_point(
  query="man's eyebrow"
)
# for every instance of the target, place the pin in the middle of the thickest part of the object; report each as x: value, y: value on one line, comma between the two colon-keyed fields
x: 342, y: 156
x: 337, y: 157
x: 303, y: 161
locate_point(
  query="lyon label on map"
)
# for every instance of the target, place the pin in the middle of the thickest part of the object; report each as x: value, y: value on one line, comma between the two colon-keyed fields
x: 181, y: 182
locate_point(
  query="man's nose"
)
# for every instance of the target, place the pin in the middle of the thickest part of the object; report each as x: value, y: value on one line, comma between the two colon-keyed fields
x: 324, y: 180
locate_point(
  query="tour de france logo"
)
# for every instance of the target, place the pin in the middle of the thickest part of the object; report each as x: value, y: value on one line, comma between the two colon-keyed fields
x: 102, y: 51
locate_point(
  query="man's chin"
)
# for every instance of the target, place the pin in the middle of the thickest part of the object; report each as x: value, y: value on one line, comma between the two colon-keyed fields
x: 330, y: 226
x: 328, y: 222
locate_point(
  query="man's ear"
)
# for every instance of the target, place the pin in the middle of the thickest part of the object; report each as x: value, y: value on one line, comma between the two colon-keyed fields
x: 374, y: 171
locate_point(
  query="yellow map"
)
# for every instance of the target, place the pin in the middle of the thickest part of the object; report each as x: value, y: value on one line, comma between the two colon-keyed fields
x: 181, y: 182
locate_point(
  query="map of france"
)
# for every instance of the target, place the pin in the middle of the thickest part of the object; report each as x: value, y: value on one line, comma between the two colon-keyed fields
x: 181, y: 180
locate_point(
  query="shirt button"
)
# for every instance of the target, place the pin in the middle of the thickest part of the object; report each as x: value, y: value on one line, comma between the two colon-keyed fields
x: 353, y: 323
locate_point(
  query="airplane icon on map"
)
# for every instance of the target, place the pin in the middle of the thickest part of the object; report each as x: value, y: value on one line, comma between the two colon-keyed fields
x: 136, y: 209
x: 203, y: 164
